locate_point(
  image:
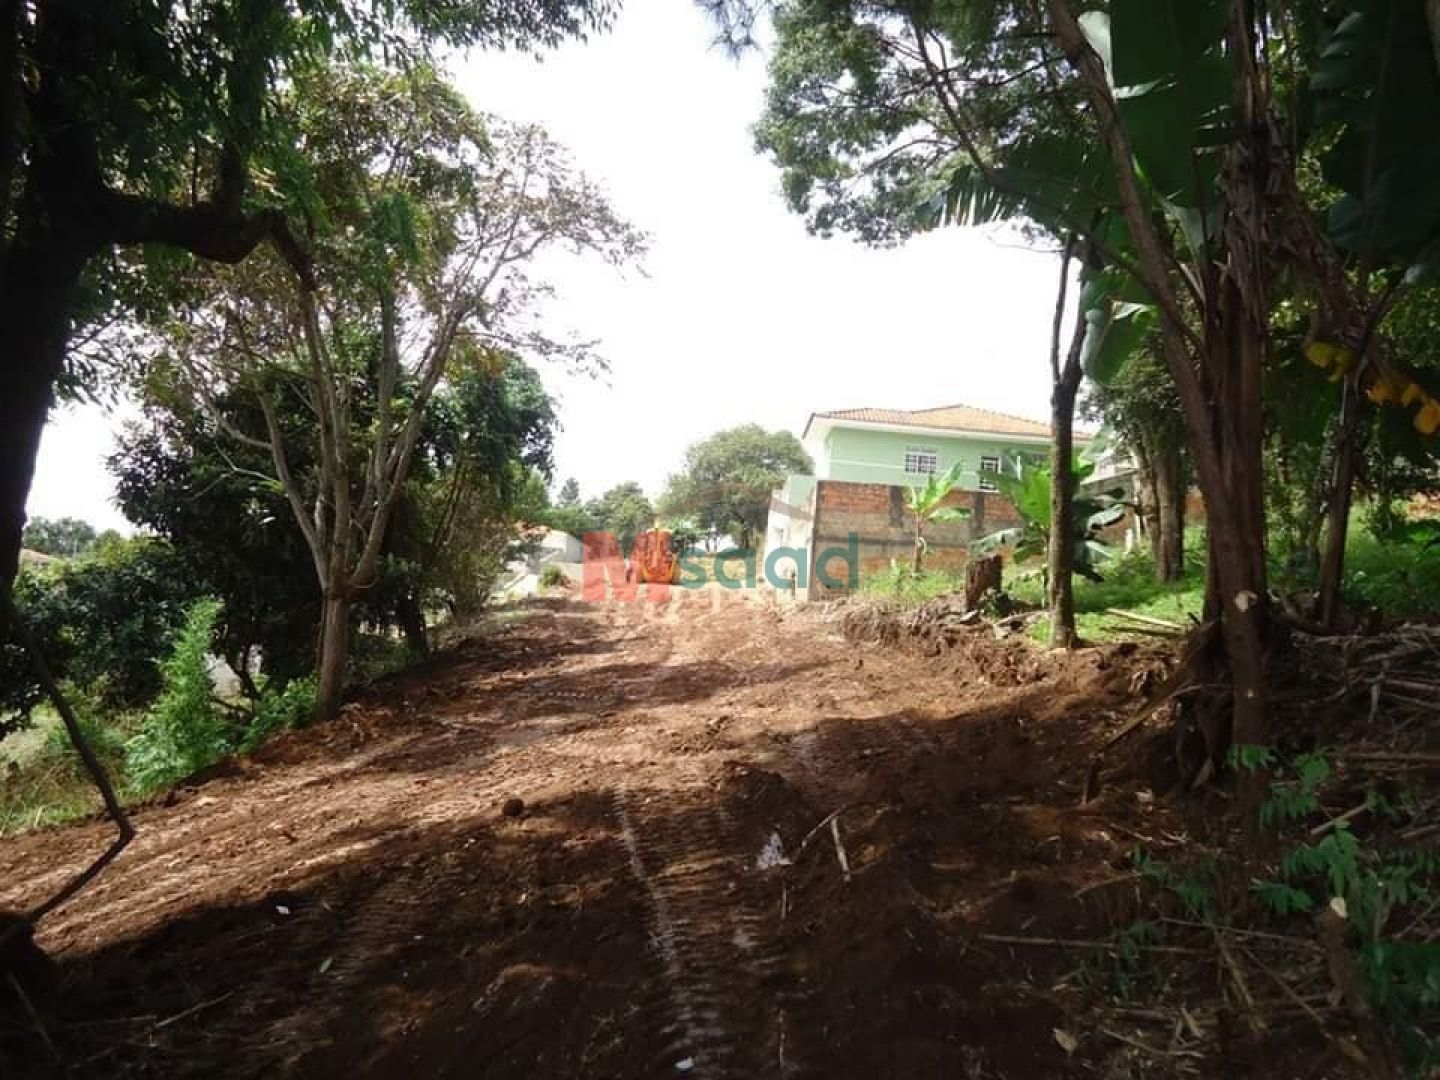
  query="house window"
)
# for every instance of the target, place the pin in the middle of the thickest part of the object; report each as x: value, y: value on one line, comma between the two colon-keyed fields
x: 989, y: 464
x: 921, y: 461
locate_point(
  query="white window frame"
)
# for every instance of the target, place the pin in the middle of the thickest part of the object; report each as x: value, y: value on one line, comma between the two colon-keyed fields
x: 990, y: 463
x: 918, y: 456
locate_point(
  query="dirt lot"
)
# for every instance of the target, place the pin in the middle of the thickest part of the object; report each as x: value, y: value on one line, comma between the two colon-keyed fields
x: 353, y: 901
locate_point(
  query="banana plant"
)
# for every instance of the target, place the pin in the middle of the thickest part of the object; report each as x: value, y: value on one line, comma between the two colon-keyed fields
x: 925, y: 503
x: 1028, y: 488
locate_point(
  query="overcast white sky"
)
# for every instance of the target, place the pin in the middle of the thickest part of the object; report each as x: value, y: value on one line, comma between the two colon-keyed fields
x: 740, y: 316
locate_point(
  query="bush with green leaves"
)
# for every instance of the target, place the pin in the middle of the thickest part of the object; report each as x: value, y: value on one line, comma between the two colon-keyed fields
x: 280, y: 709
x: 552, y: 576
x: 102, y: 622
x: 184, y: 731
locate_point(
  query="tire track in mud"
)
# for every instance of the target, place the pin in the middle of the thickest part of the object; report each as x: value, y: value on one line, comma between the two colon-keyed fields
x: 723, y: 1011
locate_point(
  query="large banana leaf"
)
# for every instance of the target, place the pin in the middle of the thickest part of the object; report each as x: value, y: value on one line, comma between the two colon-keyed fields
x: 1118, y: 316
x: 1174, y: 90
x: 1375, y: 93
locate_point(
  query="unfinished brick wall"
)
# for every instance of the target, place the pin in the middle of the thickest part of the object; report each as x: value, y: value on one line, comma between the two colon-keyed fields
x: 884, y: 529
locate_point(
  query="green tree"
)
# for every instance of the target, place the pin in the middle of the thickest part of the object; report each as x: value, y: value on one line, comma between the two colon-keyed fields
x: 886, y: 119
x: 727, y: 479
x: 926, y: 503
x: 624, y: 511
x: 432, y: 219
x: 569, y: 514
x: 61, y: 537
x: 136, y: 131
x: 102, y: 620
x: 1142, y: 418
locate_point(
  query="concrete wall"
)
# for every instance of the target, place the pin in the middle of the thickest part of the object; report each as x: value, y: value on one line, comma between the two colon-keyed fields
x: 875, y: 514
x: 865, y: 456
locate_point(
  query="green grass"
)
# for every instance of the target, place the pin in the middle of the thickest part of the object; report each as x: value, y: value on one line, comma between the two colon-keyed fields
x: 899, y: 583
x: 1129, y: 585
x: 1402, y: 580
x: 45, y: 784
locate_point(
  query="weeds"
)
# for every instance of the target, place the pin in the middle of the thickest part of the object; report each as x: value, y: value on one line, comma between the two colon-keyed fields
x: 1370, y: 883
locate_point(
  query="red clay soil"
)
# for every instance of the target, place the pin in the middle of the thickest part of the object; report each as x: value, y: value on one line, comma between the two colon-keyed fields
x: 354, y: 901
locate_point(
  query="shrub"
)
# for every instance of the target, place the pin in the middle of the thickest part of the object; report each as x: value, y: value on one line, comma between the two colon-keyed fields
x: 280, y: 710
x: 183, y: 732
x: 552, y: 576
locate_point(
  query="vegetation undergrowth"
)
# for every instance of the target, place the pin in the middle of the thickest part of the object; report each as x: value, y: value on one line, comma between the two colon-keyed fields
x: 1339, y: 908
x: 1400, y: 578
x: 187, y: 729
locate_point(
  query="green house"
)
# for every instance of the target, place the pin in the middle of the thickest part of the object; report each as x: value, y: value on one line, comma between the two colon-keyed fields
x: 903, y: 447
x: 865, y: 459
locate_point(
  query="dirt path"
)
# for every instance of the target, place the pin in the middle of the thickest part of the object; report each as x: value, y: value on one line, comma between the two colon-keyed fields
x: 352, y: 901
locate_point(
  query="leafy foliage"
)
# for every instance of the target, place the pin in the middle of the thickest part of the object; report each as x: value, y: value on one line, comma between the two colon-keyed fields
x: 624, y: 511
x: 184, y: 731
x: 926, y: 505
x: 279, y: 709
x: 62, y: 538
x: 103, y: 621
x: 726, y: 480
x: 1029, y: 491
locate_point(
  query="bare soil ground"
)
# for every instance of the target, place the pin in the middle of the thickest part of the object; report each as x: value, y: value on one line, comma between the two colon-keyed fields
x: 352, y: 901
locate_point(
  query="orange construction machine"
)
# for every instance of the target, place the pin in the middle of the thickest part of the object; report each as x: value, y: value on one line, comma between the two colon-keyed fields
x: 653, y: 557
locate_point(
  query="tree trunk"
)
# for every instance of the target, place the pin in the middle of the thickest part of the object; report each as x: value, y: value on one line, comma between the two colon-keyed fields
x: 334, y: 653
x: 1147, y: 509
x: 1168, y: 543
x: 1221, y: 400
x: 1332, y: 570
x: 412, y: 623
x: 1064, y: 385
x: 919, y: 550
x: 34, y: 324
x: 1062, y: 512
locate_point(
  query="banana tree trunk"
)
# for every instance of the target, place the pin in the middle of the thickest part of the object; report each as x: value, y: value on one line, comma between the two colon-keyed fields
x: 1065, y: 384
x: 1062, y: 512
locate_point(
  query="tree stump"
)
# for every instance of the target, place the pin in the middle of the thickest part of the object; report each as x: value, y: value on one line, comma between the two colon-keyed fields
x: 982, y: 577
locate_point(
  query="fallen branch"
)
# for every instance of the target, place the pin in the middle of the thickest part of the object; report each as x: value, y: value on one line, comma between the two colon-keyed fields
x: 1155, y: 1051
x: 1402, y: 756
x: 1335, y: 822
x: 816, y: 830
x: 1075, y: 943
x: 840, y: 846
x: 1146, y: 620
x: 1237, y: 977
x: 1094, y: 885
x: 35, y: 1019
x: 201, y: 1007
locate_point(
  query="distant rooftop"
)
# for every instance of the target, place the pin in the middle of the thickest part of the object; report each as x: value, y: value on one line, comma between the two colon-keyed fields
x: 946, y: 417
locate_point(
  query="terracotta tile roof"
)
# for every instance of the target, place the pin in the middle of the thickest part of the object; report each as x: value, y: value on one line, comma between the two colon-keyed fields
x: 952, y: 417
